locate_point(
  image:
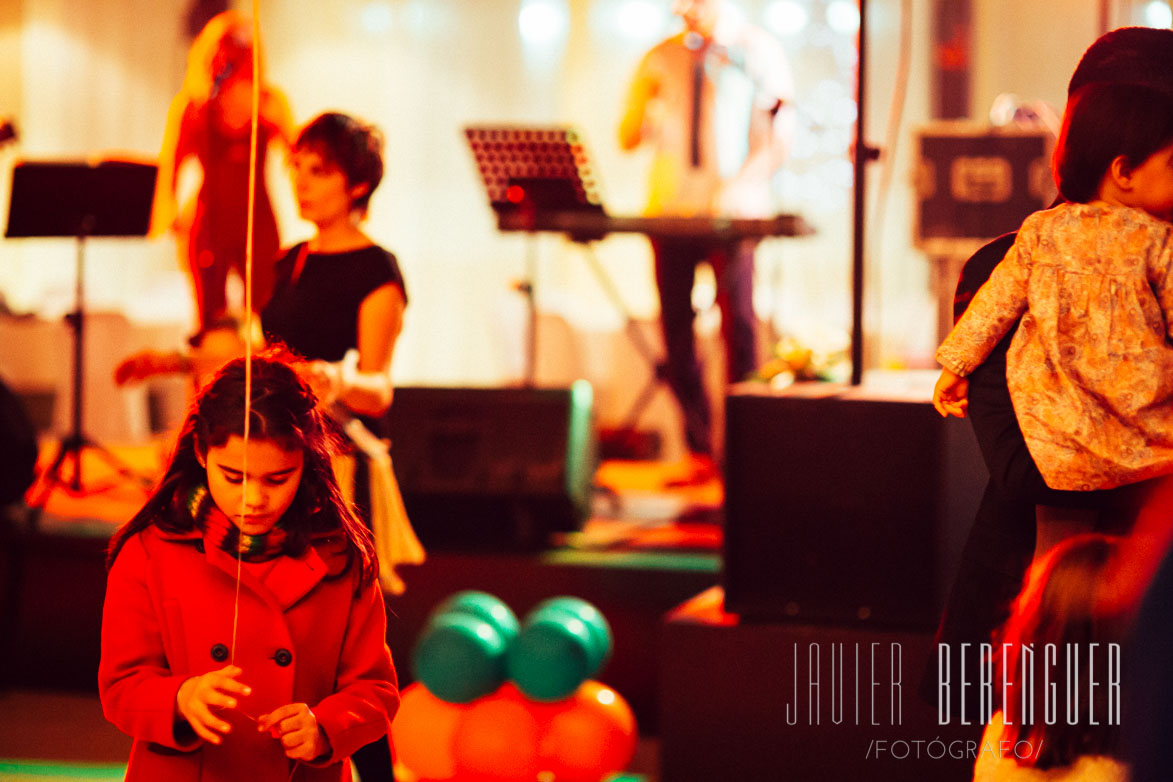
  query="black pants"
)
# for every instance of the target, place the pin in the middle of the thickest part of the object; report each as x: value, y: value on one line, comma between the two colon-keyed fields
x: 732, y: 262
x: 372, y: 761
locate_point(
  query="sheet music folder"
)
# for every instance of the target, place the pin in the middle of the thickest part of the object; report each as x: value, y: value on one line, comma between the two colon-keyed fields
x: 532, y: 170
x: 77, y: 199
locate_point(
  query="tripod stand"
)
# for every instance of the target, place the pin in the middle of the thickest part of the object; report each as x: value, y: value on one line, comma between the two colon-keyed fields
x: 111, y: 198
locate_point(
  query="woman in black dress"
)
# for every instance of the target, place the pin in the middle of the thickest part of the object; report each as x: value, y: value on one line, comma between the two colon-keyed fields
x: 339, y: 298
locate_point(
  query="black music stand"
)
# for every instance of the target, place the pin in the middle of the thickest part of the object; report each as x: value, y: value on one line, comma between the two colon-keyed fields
x: 530, y: 170
x: 79, y: 200
x: 527, y: 170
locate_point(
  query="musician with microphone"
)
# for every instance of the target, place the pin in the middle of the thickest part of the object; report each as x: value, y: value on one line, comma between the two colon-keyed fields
x: 714, y: 104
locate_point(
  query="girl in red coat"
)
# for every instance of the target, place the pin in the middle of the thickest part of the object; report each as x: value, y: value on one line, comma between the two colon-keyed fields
x: 243, y: 634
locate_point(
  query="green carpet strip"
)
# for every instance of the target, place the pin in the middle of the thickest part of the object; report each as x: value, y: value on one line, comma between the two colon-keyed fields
x: 28, y: 770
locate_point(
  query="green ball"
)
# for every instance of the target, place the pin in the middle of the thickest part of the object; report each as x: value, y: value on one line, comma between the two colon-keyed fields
x: 483, y: 606
x: 460, y: 658
x: 590, y: 616
x: 564, y: 641
x: 552, y: 657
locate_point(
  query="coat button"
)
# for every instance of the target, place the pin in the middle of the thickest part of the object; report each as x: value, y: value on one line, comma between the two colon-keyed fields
x: 219, y: 653
x: 283, y: 657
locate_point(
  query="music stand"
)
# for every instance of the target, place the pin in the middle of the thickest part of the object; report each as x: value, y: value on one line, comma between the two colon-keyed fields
x: 79, y: 200
x: 528, y: 170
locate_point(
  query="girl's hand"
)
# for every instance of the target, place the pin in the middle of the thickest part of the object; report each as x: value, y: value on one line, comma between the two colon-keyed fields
x: 200, y: 697
x: 298, y: 730
x: 951, y: 394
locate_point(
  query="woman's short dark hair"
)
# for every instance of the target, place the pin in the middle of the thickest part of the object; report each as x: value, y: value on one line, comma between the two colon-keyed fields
x: 1104, y: 121
x: 355, y: 147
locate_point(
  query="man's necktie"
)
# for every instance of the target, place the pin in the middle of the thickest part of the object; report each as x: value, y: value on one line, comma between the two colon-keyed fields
x: 694, y: 128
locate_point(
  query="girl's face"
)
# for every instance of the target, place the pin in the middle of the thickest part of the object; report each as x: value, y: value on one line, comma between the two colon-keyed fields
x: 323, y: 195
x: 1152, y: 184
x: 274, y: 474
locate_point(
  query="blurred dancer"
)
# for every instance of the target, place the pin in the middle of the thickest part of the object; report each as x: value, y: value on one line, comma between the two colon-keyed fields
x: 210, y: 120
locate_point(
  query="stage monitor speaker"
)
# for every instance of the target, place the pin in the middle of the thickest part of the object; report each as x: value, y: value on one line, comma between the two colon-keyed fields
x: 850, y: 507
x: 493, y: 467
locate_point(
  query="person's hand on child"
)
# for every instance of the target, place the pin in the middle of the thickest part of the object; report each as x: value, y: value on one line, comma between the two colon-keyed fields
x: 324, y: 377
x: 145, y: 364
x: 296, y: 727
x: 951, y: 394
x: 200, y: 697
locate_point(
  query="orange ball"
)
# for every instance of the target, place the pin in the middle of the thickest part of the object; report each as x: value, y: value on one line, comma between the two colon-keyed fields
x: 496, y: 740
x: 593, y: 734
x: 422, y: 733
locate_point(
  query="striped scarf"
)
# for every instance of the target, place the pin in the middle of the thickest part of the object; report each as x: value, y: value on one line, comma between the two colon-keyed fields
x: 221, y: 533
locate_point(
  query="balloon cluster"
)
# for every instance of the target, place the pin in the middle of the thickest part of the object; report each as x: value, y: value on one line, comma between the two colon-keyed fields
x: 496, y: 700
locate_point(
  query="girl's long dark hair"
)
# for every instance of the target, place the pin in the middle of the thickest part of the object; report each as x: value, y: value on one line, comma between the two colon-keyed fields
x: 282, y: 408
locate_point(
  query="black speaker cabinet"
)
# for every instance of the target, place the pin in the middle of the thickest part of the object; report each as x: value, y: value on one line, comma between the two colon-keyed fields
x: 850, y: 507
x: 493, y: 467
x: 797, y: 702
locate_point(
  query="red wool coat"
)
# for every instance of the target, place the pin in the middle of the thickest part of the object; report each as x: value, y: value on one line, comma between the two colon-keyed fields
x: 301, y: 638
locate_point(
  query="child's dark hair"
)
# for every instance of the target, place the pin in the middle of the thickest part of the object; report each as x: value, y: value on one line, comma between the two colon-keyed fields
x: 1104, y: 121
x: 356, y: 148
x: 282, y: 409
x: 1128, y: 55
x: 1066, y: 601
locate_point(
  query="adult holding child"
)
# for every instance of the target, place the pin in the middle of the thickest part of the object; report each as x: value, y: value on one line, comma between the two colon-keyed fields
x: 1090, y: 367
x: 1002, y: 541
